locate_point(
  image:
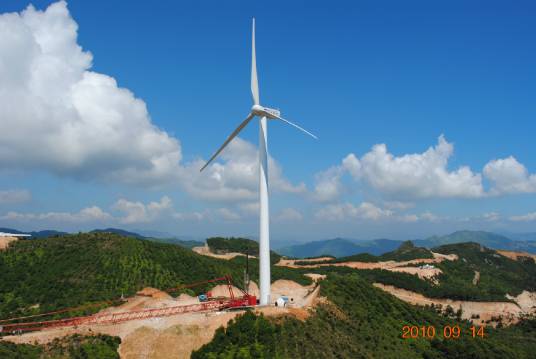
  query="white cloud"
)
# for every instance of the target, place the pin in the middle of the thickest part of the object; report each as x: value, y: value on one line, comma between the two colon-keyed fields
x: 15, y: 196
x: 340, y: 212
x: 236, y: 178
x: 89, y: 214
x: 509, y: 176
x: 328, y: 185
x: 59, y: 116
x: 529, y: 217
x: 424, y: 175
x: 419, y: 175
x: 288, y: 215
x: 137, y: 212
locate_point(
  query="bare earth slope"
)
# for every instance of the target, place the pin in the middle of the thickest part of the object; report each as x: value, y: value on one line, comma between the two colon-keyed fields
x: 5, y: 241
x: 510, y: 312
x: 177, y: 336
x: 393, y: 266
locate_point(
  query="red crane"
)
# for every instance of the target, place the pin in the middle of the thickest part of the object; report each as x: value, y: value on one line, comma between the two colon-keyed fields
x: 245, y: 300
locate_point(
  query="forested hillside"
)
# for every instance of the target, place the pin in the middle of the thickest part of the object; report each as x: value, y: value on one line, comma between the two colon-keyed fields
x: 41, y: 275
x: 76, y: 346
x: 363, y: 322
x: 407, y: 251
x: 498, y: 275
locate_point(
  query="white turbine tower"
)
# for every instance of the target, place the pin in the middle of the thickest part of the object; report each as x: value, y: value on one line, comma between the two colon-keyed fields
x: 264, y: 114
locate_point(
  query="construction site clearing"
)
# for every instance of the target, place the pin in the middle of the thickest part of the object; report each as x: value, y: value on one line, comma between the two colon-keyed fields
x: 487, y: 313
x: 176, y: 335
x: 205, y: 251
x: 422, y: 267
x: 5, y: 241
x: 481, y: 313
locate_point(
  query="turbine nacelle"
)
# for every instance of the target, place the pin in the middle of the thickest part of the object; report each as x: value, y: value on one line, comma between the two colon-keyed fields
x: 261, y: 111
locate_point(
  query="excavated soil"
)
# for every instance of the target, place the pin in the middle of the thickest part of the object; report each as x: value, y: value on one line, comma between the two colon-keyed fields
x: 516, y: 255
x: 393, y: 266
x: 205, y: 251
x: 176, y: 336
x: 5, y: 241
x: 315, y: 276
x: 510, y: 312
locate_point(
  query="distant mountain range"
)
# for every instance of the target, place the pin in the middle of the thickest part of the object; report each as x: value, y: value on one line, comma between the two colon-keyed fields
x: 121, y: 232
x: 340, y: 247
x: 35, y: 234
x: 187, y: 243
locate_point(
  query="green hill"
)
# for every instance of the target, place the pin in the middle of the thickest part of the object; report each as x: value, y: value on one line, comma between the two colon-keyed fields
x: 360, y: 321
x: 58, y: 272
x: 357, y: 321
x: 498, y: 275
x: 223, y: 245
x: 407, y: 251
x: 75, y: 346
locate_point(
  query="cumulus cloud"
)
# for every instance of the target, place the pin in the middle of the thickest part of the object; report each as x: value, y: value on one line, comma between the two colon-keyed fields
x: 15, y: 196
x: 61, y: 117
x: 328, y: 184
x: 419, y: 175
x: 371, y: 212
x: 424, y: 175
x: 236, y: 178
x: 89, y: 214
x: 410, y: 176
x: 137, y: 212
x: 343, y: 211
x: 509, y: 176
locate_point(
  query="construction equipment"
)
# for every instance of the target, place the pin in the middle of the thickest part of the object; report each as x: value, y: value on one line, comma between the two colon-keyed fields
x: 18, y: 325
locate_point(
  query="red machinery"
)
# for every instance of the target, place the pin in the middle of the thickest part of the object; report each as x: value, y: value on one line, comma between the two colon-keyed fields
x: 112, y: 318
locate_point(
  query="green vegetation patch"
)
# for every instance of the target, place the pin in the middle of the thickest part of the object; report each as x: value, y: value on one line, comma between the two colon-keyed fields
x: 76, y: 346
x: 361, y: 322
x: 406, y: 252
x: 221, y: 245
x: 42, y: 275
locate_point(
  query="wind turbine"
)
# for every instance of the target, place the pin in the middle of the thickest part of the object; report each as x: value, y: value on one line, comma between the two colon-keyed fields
x: 264, y: 114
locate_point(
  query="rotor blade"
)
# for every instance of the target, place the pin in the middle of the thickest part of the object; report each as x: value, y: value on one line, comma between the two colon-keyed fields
x: 254, y: 80
x: 298, y: 127
x: 229, y: 139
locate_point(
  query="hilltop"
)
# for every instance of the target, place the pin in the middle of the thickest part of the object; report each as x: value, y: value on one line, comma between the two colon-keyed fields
x: 41, y: 275
x: 352, y: 319
x: 360, y: 321
x: 488, y: 239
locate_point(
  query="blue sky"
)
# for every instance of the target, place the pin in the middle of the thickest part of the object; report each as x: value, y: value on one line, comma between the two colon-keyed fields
x: 357, y: 74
